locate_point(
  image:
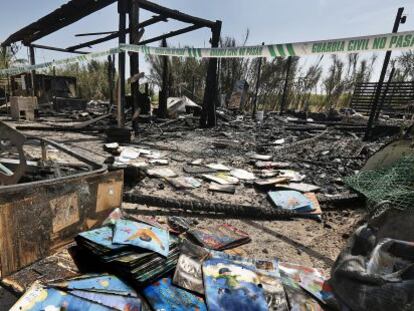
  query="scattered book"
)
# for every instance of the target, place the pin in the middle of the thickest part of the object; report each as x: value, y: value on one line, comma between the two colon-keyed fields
x: 218, y: 167
x: 88, y: 292
x: 163, y: 295
x: 290, y: 200
x: 222, y: 179
x: 242, y: 174
x: 232, y: 286
x: 291, y: 276
x: 317, y: 211
x: 188, y: 273
x: 161, y: 173
x: 269, y: 277
x: 270, y: 181
x: 184, y: 182
x: 220, y: 237
x: 261, y: 157
x: 301, y: 187
x: 231, y: 189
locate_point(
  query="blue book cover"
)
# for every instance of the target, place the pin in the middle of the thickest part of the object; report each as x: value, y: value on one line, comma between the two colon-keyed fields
x: 40, y: 298
x: 269, y: 276
x: 97, y: 283
x: 162, y: 295
x: 101, y: 236
x: 117, y: 302
x: 290, y: 200
x: 232, y: 286
x: 142, y: 235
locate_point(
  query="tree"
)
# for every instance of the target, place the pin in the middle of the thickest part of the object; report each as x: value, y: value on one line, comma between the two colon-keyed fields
x: 92, y: 78
x: 187, y: 75
x: 334, y: 83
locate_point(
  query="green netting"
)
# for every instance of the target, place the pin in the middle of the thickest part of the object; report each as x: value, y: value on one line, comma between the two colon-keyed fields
x: 390, y: 187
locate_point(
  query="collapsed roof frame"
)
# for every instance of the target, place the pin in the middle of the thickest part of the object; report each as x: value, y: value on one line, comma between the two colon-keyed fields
x: 75, y: 10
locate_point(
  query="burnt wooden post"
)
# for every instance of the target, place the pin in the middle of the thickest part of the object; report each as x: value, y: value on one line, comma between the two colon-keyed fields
x: 286, y: 87
x: 134, y: 38
x: 164, y: 93
x: 208, y: 115
x: 259, y: 70
x: 122, y: 10
x: 33, y: 72
x: 110, y: 80
x: 384, y: 95
x: 399, y: 19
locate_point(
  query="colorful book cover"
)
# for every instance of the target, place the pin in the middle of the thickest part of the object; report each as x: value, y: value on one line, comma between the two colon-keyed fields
x: 101, y: 236
x: 300, y: 301
x: 40, y: 298
x: 162, y: 295
x: 318, y: 287
x: 317, y: 211
x: 97, y: 283
x: 220, y: 237
x: 291, y: 275
x: 117, y: 302
x: 269, y: 276
x: 290, y: 200
x: 142, y: 235
x: 188, y: 273
x: 231, y: 286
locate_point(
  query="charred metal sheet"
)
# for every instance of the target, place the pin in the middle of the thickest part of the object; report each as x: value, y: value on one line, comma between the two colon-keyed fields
x: 9, y: 138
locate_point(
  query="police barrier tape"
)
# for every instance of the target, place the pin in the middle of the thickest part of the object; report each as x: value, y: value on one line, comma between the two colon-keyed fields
x: 381, y: 42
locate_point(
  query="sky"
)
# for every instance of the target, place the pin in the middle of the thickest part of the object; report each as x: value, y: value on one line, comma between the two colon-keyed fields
x: 269, y: 21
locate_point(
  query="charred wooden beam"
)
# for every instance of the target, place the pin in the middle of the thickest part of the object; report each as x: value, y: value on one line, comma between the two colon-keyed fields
x: 122, y: 10
x: 33, y: 72
x: 171, y: 34
x: 66, y: 15
x: 134, y: 38
x: 174, y: 14
x: 52, y: 48
x: 163, y: 98
x: 209, y: 208
x: 95, y: 33
x: 208, y: 115
x: 117, y: 34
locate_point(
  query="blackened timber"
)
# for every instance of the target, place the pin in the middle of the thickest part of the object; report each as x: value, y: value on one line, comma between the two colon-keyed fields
x: 174, y: 14
x: 52, y: 48
x: 207, y: 207
x: 134, y: 37
x: 371, y: 120
x: 95, y: 33
x: 208, y: 115
x: 117, y: 34
x: 171, y: 34
x: 122, y: 10
x: 384, y: 95
x: 259, y: 70
x: 66, y: 15
x: 111, y: 80
x: 33, y: 72
x: 163, y: 98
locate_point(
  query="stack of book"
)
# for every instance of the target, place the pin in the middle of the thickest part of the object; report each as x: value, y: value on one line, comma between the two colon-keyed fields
x: 137, y: 251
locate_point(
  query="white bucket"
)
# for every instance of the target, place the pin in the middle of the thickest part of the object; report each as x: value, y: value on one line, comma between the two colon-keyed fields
x: 259, y: 116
